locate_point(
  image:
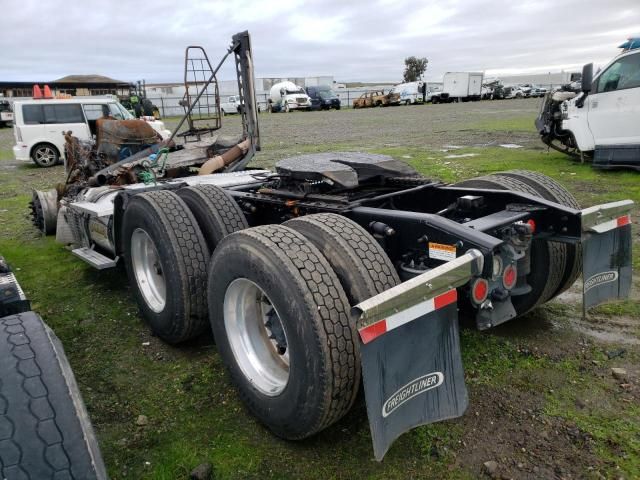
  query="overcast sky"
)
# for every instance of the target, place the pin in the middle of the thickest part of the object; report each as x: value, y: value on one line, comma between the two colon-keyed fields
x: 352, y: 40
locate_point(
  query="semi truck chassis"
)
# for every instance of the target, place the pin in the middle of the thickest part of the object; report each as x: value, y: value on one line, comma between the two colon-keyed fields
x: 340, y: 268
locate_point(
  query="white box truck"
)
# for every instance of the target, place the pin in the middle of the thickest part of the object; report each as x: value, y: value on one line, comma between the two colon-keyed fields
x: 459, y: 87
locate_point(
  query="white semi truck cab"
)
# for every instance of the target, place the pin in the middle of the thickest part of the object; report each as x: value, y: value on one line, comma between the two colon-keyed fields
x: 601, y: 118
x: 287, y: 96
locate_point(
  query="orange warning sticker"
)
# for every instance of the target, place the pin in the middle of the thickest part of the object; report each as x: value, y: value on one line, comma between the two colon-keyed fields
x: 440, y: 251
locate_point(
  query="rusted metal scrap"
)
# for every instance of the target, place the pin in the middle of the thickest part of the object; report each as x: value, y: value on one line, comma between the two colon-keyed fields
x: 90, y: 165
x: 220, y: 161
x: 118, y: 139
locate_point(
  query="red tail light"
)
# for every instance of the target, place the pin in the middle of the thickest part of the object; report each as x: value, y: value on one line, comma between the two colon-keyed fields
x: 479, y: 290
x: 509, y: 277
x: 532, y: 224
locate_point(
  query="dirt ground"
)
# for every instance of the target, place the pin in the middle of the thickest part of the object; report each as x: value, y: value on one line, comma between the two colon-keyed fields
x: 543, y: 401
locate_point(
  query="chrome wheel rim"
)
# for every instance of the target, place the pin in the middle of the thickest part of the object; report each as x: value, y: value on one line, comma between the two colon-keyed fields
x: 45, y: 155
x: 256, y: 336
x: 148, y: 270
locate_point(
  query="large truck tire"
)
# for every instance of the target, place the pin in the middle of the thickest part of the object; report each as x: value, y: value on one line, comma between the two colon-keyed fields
x: 45, y: 431
x: 551, y: 190
x: 363, y: 267
x: 44, y: 210
x: 166, y: 260
x: 217, y: 214
x: 282, y: 326
x: 547, y: 259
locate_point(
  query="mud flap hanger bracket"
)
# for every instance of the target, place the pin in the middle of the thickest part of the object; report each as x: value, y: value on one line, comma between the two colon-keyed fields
x: 415, y: 290
x: 602, y: 218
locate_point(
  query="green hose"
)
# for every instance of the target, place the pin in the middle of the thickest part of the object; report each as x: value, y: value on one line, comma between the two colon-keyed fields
x: 148, y: 175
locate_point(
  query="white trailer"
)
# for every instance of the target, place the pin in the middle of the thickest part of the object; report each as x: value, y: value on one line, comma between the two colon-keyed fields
x: 460, y: 87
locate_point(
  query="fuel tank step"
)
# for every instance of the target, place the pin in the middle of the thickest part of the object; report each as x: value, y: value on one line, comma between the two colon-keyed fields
x: 93, y: 258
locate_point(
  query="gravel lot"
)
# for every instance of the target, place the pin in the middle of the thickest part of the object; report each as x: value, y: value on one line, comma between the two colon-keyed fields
x: 415, y: 126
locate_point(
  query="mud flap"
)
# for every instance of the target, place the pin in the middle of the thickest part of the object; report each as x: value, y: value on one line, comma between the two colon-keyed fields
x: 413, y: 375
x: 606, y: 265
x: 410, y: 352
x: 606, y: 252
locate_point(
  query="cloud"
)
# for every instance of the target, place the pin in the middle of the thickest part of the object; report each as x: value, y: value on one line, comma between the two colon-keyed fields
x: 356, y: 40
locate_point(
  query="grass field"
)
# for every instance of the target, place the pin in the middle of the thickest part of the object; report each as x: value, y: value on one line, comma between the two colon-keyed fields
x: 543, y: 402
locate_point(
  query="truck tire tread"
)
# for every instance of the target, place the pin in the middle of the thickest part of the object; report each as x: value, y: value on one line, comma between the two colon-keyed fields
x: 190, y: 250
x: 217, y: 213
x: 361, y: 264
x: 45, y: 431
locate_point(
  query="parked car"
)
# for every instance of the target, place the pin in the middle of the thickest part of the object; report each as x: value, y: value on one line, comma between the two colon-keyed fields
x: 486, y: 92
x: 537, y: 91
x: 323, y: 98
x: 230, y: 105
x: 39, y: 125
x: 526, y: 89
x: 376, y: 98
x: 287, y: 96
x: 513, y: 91
x: 6, y: 115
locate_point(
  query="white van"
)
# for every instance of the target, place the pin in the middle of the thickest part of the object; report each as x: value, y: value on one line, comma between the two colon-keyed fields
x: 409, y: 92
x: 39, y: 125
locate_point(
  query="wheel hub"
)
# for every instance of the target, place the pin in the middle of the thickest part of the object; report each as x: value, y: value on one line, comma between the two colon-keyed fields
x: 256, y: 336
x: 45, y: 155
x: 147, y: 270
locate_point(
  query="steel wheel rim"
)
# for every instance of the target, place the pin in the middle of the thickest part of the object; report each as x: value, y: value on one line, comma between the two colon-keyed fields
x: 255, y: 338
x: 148, y: 270
x: 45, y: 155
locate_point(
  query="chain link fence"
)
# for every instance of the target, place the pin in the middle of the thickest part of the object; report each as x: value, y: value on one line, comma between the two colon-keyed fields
x: 170, y: 106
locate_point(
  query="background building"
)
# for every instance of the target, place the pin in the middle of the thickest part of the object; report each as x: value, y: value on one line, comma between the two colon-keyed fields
x: 76, y: 85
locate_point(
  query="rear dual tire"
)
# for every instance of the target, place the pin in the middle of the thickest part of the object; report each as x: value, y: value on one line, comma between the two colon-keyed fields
x: 546, y: 259
x: 311, y: 269
x: 279, y: 299
x: 322, y: 374
x: 549, y: 189
x: 166, y: 260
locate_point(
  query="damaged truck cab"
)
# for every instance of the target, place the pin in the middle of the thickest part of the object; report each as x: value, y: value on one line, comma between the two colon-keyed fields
x: 601, y: 119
